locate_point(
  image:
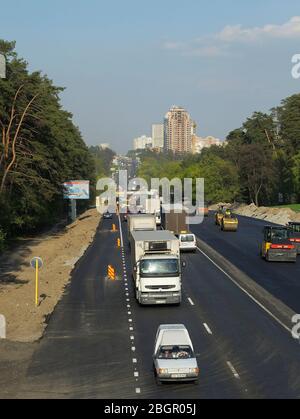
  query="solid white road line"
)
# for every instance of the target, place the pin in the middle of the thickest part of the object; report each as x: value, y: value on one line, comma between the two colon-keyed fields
x: 207, y: 329
x: 246, y: 292
x: 233, y: 370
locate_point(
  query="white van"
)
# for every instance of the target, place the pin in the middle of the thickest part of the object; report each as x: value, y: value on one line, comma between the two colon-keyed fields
x: 174, y: 358
x: 187, y: 242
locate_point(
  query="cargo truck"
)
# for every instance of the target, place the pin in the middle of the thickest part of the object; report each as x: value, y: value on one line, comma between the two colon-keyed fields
x: 156, y: 267
x: 174, y: 219
x: 140, y: 222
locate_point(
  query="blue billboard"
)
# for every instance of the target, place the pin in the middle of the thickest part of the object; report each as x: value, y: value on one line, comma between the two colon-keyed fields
x: 77, y: 189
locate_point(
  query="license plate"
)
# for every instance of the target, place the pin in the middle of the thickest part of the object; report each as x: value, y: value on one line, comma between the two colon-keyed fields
x: 178, y: 375
x: 161, y: 302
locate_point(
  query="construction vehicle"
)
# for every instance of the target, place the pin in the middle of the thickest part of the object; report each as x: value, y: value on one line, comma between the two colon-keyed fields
x: 295, y: 235
x: 229, y: 222
x: 276, y: 246
x: 219, y: 215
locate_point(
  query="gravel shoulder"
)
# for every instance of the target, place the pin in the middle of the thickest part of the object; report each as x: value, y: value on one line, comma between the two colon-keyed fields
x: 60, y: 251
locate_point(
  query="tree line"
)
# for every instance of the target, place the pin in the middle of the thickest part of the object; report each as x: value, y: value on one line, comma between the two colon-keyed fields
x: 40, y: 148
x: 259, y: 162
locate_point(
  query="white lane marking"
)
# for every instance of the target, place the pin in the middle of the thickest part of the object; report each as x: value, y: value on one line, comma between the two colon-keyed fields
x: 138, y: 391
x: 207, y: 329
x: 121, y: 232
x: 246, y: 292
x: 136, y: 374
x: 131, y: 329
x: 131, y: 337
x: 133, y: 348
x: 191, y: 302
x: 233, y: 370
x: 134, y: 360
x: 130, y: 320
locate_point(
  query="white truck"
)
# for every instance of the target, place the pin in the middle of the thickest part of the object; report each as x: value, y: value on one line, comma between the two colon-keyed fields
x: 140, y: 222
x: 156, y: 267
x: 153, y: 207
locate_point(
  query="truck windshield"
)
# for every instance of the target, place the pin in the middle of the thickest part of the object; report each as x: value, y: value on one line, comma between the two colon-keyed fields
x: 159, y: 267
x: 295, y: 228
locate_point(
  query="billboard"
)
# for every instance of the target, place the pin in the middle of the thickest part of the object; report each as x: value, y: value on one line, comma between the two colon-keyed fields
x: 77, y: 189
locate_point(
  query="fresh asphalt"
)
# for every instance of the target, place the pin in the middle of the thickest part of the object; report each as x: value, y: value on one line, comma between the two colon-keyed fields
x: 99, y: 341
x: 243, y: 250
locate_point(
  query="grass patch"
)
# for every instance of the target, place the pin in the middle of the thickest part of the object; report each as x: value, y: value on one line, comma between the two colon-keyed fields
x: 294, y: 207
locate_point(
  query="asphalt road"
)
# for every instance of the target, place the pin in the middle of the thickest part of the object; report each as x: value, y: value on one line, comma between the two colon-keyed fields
x: 99, y: 341
x: 243, y: 249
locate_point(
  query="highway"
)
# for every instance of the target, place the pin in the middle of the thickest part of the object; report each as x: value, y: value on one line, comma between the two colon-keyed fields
x: 99, y: 341
x: 243, y: 250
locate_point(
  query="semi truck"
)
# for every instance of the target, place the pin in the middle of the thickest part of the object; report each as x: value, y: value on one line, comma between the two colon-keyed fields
x: 156, y: 267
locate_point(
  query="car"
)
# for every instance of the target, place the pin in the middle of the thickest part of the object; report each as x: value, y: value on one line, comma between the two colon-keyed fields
x: 107, y: 215
x: 174, y: 359
x: 276, y: 246
x: 295, y: 235
x: 187, y: 242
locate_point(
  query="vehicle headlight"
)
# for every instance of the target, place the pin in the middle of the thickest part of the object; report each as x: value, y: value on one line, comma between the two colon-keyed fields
x: 162, y: 371
x: 194, y: 370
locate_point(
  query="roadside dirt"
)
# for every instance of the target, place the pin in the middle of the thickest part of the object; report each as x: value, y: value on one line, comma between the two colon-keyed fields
x: 60, y: 252
x: 273, y: 215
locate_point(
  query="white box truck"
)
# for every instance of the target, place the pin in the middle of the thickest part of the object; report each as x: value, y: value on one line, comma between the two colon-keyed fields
x: 156, y: 267
x: 140, y: 222
x: 153, y: 207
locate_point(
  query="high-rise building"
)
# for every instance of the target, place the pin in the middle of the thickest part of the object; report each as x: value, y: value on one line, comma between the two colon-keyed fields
x: 178, y: 131
x: 142, y: 143
x: 158, y: 136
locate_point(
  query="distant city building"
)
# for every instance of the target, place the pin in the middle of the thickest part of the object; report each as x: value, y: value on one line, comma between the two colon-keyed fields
x: 142, y: 143
x: 178, y: 131
x: 157, y: 136
x: 199, y: 143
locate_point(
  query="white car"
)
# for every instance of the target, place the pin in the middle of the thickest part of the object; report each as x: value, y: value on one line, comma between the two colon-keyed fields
x: 187, y: 242
x: 174, y: 358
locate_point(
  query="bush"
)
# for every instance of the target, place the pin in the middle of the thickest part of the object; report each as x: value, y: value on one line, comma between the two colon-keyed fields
x: 2, y: 240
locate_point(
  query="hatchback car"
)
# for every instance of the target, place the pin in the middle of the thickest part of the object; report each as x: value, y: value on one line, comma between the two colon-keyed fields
x: 174, y: 359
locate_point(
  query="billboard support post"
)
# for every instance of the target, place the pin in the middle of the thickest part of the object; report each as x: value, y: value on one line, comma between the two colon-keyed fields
x: 73, y: 208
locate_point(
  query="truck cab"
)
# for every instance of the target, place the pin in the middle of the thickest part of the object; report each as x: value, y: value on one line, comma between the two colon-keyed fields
x: 157, y: 267
x: 276, y: 246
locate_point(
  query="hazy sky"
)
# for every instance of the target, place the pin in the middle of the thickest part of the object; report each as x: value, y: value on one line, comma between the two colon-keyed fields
x: 125, y: 63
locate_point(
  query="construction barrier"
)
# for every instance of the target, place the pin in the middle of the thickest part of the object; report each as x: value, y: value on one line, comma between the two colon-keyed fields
x: 111, y: 273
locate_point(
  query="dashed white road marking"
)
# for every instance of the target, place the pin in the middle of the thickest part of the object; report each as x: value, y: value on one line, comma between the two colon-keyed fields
x: 121, y: 232
x: 136, y: 374
x: 207, y: 329
x: 134, y: 361
x: 138, y: 391
x: 233, y: 370
x: 191, y: 302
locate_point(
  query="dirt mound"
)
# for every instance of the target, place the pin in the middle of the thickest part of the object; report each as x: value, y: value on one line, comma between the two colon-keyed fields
x: 60, y: 251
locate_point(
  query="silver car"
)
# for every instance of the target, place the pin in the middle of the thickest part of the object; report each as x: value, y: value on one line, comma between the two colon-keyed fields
x: 174, y: 358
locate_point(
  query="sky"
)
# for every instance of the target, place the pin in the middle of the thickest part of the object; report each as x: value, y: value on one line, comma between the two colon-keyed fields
x: 124, y: 63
